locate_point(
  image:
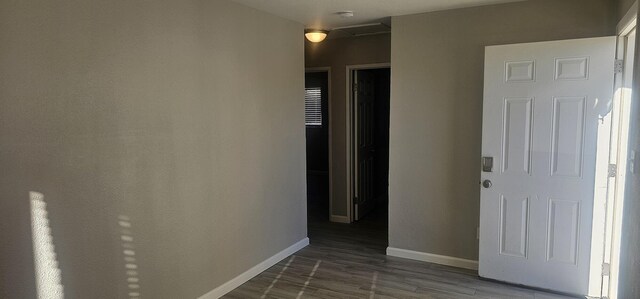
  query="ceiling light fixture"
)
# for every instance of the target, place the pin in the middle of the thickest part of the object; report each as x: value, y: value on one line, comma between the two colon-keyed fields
x: 315, y: 35
x: 345, y: 14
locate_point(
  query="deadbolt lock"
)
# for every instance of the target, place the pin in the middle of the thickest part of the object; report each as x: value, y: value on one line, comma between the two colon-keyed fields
x: 487, y: 164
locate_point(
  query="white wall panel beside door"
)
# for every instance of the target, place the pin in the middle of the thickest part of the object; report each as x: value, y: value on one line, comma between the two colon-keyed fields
x: 542, y: 103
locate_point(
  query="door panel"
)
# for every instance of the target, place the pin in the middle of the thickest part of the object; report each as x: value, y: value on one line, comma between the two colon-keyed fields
x: 516, y: 154
x: 514, y: 226
x: 563, y: 226
x: 542, y: 103
x: 567, y: 134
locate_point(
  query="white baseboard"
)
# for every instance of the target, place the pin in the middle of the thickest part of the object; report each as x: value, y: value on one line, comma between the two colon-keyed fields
x: 257, y: 269
x: 433, y: 258
x: 339, y: 219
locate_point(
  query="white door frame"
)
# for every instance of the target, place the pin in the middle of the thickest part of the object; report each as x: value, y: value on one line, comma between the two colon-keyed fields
x: 615, y: 192
x: 351, y: 155
x: 628, y: 22
x: 327, y: 69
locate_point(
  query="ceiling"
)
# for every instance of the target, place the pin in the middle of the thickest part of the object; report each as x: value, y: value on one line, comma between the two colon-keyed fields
x: 321, y: 14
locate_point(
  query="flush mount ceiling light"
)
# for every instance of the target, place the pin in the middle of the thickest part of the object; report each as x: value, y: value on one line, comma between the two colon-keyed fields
x: 345, y: 14
x: 315, y: 35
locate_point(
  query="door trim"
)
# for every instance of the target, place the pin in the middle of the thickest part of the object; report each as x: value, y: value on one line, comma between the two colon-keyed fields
x: 349, y: 128
x: 327, y: 69
x: 615, y: 186
x: 629, y: 20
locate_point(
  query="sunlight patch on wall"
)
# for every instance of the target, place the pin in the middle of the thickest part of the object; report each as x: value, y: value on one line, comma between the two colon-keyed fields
x: 129, y: 256
x: 48, y: 275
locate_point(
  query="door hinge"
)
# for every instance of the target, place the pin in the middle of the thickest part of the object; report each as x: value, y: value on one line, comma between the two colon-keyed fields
x: 355, y: 87
x: 606, y: 269
x: 618, y: 66
x: 613, y: 170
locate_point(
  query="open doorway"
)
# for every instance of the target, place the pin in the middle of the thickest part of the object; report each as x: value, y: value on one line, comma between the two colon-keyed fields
x: 369, y: 100
x: 366, y: 225
x: 316, y: 103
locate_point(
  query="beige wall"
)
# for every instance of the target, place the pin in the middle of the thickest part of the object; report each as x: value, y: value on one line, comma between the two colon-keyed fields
x: 628, y: 286
x: 337, y: 54
x: 436, y: 110
x: 623, y: 7
x: 186, y: 116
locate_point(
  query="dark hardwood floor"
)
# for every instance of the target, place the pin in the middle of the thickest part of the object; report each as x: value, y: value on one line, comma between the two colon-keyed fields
x: 349, y: 261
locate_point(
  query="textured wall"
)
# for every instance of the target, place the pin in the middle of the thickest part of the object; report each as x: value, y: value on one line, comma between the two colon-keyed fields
x: 623, y: 7
x: 184, y: 118
x: 436, y: 110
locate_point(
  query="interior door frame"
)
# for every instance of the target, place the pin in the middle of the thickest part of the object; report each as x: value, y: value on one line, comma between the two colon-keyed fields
x: 351, y: 142
x: 327, y: 69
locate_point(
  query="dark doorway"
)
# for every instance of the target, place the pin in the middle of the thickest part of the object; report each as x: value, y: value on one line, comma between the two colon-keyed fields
x: 371, y: 95
x: 368, y: 232
x: 317, y: 133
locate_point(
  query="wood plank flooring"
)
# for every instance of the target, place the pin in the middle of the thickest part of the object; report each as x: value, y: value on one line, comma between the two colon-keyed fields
x: 349, y: 261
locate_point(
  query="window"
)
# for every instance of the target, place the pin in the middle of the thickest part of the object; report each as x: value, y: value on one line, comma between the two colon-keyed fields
x: 313, y: 106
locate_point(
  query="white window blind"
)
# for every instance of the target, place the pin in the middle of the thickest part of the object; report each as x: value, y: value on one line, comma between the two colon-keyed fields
x: 313, y: 106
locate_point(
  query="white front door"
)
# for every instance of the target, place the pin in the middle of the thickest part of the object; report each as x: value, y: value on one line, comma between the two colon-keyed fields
x: 542, y: 103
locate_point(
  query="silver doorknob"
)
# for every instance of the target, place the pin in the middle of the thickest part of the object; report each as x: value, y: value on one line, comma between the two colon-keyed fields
x: 487, y: 184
